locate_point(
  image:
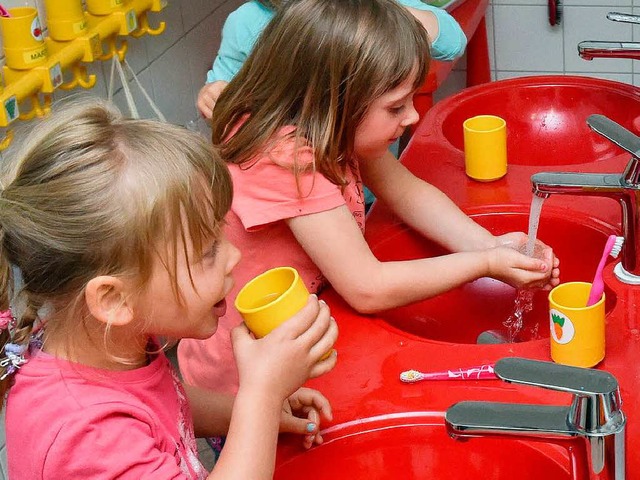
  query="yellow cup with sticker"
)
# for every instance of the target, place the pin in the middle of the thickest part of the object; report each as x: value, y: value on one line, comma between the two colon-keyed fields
x: 22, y: 39
x: 270, y: 299
x: 485, y: 147
x: 65, y: 19
x: 577, y: 331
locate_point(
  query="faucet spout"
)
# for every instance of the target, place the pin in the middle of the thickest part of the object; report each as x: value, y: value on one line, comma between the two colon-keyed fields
x: 594, y: 415
x: 589, y: 50
x: 623, y: 188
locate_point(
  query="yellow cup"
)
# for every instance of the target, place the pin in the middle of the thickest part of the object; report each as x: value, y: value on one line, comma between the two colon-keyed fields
x: 271, y: 298
x: 485, y: 147
x: 65, y: 19
x: 22, y: 38
x: 577, y: 331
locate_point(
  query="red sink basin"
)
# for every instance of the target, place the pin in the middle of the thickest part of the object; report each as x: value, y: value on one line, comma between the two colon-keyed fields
x: 546, y: 117
x: 460, y: 315
x: 416, y: 446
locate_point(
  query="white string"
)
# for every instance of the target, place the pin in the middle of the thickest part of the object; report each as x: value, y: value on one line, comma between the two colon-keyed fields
x: 116, y: 64
x: 152, y: 104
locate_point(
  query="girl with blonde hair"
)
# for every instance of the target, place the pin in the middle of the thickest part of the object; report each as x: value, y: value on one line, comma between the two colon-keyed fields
x: 110, y: 243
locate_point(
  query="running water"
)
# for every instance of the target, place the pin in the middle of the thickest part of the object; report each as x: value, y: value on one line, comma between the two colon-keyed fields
x: 524, y: 298
x: 534, y: 221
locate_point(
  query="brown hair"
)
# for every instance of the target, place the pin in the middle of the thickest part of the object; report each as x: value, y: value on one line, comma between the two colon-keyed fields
x: 318, y: 65
x: 93, y: 193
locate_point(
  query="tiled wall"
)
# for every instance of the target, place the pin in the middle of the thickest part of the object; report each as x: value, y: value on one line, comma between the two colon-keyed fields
x: 172, y: 66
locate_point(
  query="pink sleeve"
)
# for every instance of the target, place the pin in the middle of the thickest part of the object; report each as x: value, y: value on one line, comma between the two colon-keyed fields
x: 267, y: 191
x: 92, y: 445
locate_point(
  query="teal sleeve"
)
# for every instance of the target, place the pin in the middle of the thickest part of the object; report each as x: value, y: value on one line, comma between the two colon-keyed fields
x: 241, y: 29
x: 451, y: 40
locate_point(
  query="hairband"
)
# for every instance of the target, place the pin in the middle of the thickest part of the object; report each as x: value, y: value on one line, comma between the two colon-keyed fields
x: 13, y: 353
x: 6, y: 319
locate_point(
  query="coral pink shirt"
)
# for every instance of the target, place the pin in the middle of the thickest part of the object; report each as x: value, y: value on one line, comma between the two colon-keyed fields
x: 66, y: 420
x: 265, y: 195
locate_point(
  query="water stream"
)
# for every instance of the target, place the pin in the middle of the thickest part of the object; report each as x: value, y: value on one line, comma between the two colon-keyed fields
x: 524, y: 298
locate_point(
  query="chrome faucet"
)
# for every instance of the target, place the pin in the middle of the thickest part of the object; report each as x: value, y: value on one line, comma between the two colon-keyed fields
x: 624, y: 188
x: 593, y: 49
x: 594, y: 414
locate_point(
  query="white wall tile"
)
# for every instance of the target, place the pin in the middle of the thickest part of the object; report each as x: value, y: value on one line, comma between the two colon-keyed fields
x: 520, y: 2
x: 506, y: 74
x: 491, y: 37
x: 536, y: 47
x: 597, y: 3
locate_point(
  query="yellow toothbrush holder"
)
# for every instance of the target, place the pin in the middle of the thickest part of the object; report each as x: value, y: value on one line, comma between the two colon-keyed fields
x: 270, y: 299
x: 22, y: 38
x: 104, y: 7
x: 485, y: 147
x: 65, y: 19
x: 577, y: 331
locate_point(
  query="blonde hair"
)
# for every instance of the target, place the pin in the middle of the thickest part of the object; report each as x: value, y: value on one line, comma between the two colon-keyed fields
x: 318, y: 65
x: 93, y: 193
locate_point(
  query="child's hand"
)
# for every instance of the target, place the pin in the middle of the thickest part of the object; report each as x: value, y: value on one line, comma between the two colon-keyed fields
x: 541, y: 251
x: 302, y: 412
x: 208, y: 96
x: 521, y: 271
x: 282, y: 361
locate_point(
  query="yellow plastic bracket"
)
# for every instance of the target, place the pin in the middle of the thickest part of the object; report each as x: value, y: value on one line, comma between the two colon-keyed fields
x: 114, y: 50
x: 6, y: 141
x: 37, y: 109
x: 145, y: 29
x: 80, y: 78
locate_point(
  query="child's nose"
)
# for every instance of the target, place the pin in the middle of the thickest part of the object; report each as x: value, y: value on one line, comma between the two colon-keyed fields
x: 412, y: 116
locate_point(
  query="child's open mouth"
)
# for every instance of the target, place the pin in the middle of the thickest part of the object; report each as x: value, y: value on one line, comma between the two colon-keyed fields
x: 220, y: 308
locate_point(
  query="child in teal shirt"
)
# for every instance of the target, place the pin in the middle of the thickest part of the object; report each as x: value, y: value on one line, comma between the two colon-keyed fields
x: 244, y: 25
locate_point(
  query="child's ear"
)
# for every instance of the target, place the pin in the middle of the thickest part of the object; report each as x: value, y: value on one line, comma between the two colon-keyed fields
x: 106, y: 299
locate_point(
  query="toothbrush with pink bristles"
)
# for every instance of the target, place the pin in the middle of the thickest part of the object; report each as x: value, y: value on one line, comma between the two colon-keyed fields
x: 480, y: 372
x: 612, y: 247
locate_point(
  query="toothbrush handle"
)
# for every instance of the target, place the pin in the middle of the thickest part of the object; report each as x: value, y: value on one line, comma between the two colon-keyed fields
x: 597, y: 286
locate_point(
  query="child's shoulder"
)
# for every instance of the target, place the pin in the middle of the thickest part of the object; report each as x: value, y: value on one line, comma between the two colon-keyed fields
x: 251, y: 12
x: 248, y: 19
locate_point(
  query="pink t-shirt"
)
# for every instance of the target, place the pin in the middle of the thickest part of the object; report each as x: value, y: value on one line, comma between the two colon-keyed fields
x: 265, y: 195
x: 66, y: 420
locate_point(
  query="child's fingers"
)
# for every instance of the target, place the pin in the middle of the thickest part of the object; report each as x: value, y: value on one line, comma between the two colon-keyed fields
x: 301, y: 321
x: 324, y: 366
x: 307, y: 426
x: 240, y: 334
x: 328, y: 340
x: 318, y: 330
x: 306, y: 398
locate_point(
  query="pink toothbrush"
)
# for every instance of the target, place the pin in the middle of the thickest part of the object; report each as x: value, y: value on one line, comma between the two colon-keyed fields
x: 612, y: 247
x: 480, y: 372
x: 4, y: 12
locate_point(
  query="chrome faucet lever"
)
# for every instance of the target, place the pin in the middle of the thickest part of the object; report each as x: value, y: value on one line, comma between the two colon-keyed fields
x: 624, y: 188
x: 623, y: 17
x: 594, y: 414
